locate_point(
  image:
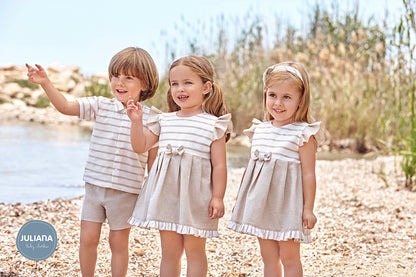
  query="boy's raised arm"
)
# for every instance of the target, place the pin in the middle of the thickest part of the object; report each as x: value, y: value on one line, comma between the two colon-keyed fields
x: 39, y: 76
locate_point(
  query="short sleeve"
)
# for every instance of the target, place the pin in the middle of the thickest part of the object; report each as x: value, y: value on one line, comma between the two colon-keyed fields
x: 223, y: 125
x: 309, y: 130
x: 250, y: 131
x: 153, y: 123
x: 88, y: 107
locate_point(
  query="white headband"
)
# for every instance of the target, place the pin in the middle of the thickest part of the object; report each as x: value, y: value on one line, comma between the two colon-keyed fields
x: 288, y: 68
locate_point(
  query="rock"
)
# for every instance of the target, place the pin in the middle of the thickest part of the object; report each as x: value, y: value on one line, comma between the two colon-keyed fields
x: 11, y: 89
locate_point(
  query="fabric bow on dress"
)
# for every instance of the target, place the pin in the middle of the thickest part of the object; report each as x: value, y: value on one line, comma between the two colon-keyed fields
x: 261, y: 157
x: 172, y: 150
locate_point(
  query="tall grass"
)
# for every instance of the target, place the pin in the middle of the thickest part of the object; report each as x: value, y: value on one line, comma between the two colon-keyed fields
x: 405, y: 36
x: 359, y: 88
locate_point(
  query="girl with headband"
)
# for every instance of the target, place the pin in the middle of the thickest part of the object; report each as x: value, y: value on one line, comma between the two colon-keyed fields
x: 277, y: 194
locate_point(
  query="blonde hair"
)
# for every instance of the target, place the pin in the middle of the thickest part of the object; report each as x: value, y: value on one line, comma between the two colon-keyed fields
x: 214, y: 101
x: 274, y: 75
x: 136, y: 62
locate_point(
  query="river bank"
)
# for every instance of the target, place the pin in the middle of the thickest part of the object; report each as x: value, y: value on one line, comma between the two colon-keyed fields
x: 365, y: 228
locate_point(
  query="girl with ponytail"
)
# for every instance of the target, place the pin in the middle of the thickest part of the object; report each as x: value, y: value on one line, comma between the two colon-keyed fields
x: 183, y: 194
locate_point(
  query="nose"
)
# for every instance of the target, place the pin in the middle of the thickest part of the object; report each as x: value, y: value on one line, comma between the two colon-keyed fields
x: 278, y: 102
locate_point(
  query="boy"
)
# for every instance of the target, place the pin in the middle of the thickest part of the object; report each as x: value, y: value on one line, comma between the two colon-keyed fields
x: 114, y: 173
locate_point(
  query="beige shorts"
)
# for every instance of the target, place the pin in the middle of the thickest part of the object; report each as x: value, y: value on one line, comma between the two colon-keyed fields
x: 115, y: 205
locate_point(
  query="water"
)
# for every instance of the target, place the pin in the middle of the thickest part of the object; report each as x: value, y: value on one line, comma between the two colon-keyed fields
x: 39, y: 162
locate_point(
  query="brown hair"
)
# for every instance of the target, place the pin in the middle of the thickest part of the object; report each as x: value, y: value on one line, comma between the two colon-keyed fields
x: 214, y: 101
x: 138, y: 63
x: 272, y: 77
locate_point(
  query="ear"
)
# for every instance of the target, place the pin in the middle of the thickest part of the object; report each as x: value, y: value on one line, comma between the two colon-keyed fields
x: 207, y: 87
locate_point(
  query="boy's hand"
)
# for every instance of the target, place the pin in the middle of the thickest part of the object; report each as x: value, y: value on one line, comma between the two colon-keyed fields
x: 135, y: 112
x: 37, y: 75
x: 309, y: 219
x: 216, y: 208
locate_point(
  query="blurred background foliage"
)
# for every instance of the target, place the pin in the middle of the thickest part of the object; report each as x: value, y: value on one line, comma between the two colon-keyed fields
x: 362, y: 72
x: 358, y: 69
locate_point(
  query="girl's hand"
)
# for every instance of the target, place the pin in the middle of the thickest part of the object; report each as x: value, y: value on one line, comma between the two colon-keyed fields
x: 135, y: 112
x: 216, y: 208
x: 37, y: 75
x: 309, y: 219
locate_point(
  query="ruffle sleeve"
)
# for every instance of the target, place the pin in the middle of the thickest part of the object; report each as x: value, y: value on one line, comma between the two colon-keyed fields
x: 250, y: 131
x: 309, y: 130
x: 223, y: 125
x: 153, y: 120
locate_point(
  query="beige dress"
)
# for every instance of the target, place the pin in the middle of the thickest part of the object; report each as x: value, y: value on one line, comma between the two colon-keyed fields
x: 269, y: 204
x: 178, y: 190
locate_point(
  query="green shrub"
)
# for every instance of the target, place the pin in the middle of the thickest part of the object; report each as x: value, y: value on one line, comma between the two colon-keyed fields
x: 24, y: 83
x: 42, y: 102
x: 98, y: 88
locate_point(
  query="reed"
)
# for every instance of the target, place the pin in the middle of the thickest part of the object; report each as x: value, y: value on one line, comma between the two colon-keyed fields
x: 358, y: 90
x: 404, y: 41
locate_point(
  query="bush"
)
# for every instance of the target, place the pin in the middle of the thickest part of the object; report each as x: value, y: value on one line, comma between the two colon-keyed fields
x: 24, y: 83
x: 98, y: 87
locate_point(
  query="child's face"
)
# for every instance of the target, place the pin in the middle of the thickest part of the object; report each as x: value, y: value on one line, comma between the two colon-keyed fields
x: 123, y: 86
x: 187, y: 89
x: 282, y: 102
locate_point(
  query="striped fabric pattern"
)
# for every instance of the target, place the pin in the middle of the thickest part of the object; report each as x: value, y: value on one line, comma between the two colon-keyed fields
x: 282, y: 142
x: 194, y: 133
x: 112, y: 163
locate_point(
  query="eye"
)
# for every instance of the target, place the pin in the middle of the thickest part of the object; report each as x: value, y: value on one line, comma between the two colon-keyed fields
x: 271, y: 94
x: 129, y: 78
x: 188, y: 83
x: 116, y: 75
x: 287, y: 97
x: 173, y: 84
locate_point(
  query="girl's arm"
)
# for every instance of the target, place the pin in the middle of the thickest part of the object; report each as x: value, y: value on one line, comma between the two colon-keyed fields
x: 141, y: 141
x: 38, y: 76
x: 151, y: 158
x: 307, y: 158
x: 219, y: 178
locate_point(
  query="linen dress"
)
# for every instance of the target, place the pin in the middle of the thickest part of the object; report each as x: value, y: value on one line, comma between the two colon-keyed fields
x: 269, y: 203
x: 178, y: 190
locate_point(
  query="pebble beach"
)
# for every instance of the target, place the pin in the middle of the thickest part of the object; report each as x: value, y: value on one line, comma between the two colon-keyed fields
x: 366, y: 227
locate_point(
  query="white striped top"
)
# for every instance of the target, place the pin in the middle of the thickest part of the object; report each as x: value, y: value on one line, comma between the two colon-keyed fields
x: 112, y: 163
x: 195, y: 133
x: 279, y: 142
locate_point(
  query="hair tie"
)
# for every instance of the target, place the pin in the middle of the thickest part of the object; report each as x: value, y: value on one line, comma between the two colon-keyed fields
x: 287, y: 68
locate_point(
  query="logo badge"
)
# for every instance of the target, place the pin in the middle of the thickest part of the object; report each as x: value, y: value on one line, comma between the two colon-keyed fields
x: 36, y: 240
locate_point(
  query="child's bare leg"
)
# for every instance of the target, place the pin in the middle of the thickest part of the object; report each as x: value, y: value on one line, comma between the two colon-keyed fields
x: 290, y: 255
x: 196, y: 257
x: 269, y: 250
x: 119, y: 244
x: 172, y: 251
x: 89, y: 239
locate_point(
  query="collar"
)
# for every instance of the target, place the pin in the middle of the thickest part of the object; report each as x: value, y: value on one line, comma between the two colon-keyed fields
x: 118, y: 106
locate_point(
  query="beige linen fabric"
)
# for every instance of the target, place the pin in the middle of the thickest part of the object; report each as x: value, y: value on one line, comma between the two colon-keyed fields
x: 178, y: 190
x: 269, y: 204
x: 101, y: 203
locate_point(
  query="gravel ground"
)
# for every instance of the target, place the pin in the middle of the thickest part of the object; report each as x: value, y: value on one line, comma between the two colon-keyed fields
x: 366, y: 227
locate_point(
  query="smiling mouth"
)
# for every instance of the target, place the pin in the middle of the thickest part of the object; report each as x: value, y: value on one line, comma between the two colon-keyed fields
x: 183, y: 97
x: 121, y: 91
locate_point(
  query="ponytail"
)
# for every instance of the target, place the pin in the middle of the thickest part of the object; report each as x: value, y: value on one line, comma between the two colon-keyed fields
x: 214, y: 104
